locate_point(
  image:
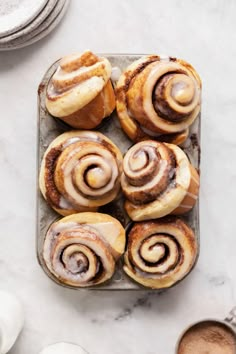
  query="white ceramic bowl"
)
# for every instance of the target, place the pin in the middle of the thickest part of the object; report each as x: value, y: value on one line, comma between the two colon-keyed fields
x: 63, y: 348
x: 11, y: 320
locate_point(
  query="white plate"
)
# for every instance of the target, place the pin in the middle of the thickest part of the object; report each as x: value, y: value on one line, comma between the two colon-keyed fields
x: 43, y: 33
x: 51, y: 4
x: 44, y: 25
x: 15, y: 14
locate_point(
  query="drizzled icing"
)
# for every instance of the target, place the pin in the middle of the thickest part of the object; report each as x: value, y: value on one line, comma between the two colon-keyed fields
x: 70, y: 141
x: 164, y: 57
x: 158, y: 95
x: 80, y: 90
x: 115, y: 73
x: 82, y: 253
x: 79, y: 71
x: 85, y: 173
x: 157, y: 179
x: 64, y: 204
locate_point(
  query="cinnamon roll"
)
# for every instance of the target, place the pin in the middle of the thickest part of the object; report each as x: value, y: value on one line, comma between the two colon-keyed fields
x: 160, y: 252
x: 80, y: 91
x: 158, y: 98
x: 81, y: 250
x: 80, y: 171
x: 157, y: 180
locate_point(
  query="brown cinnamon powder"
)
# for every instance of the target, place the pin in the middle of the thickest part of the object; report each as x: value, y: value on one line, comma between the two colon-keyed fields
x: 208, y: 338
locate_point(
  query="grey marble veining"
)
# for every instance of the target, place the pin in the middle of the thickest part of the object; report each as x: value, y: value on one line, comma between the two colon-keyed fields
x: 203, y: 33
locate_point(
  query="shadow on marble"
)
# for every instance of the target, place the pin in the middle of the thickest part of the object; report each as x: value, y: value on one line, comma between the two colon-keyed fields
x: 114, y: 305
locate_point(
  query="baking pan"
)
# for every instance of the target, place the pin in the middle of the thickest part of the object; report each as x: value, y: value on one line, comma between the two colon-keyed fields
x: 49, y: 128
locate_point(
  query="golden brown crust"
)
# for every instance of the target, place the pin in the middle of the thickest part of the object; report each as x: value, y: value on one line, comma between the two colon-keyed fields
x: 95, y: 111
x: 80, y: 91
x: 80, y: 171
x: 191, y: 196
x: 156, y: 97
x: 81, y: 250
x: 157, y: 180
x: 160, y: 252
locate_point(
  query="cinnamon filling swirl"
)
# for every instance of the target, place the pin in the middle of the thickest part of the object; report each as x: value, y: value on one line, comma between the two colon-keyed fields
x: 147, y: 172
x: 160, y: 252
x: 80, y: 171
x: 79, y: 251
x: 80, y: 91
x: 158, y: 95
x: 157, y: 180
x: 175, y: 96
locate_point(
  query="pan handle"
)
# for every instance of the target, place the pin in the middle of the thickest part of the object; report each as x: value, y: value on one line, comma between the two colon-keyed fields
x: 231, y: 318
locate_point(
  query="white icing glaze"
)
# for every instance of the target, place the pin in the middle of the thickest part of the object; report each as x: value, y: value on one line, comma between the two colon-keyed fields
x: 70, y: 141
x: 106, y: 228
x: 64, y: 204
x: 59, y: 227
x: 192, y: 195
x: 164, y: 57
x: 195, y: 180
x: 56, y: 228
x: 83, y: 194
x: 115, y: 73
x: 186, y: 206
x: 73, y: 86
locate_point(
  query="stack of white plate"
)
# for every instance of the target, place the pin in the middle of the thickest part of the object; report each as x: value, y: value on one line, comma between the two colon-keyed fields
x: 23, y: 22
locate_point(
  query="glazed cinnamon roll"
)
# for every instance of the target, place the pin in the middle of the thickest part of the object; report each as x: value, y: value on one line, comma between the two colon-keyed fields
x: 80, y: 171
x: 157, y: 180
x: 160, y: 252
x: 81, y: 250
x: 158, y: 98
x: 80, y: 91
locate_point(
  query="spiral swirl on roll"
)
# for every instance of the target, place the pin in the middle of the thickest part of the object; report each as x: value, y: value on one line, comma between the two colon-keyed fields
x: 80, y: 91
x: 160, y: 252
x: 80, y: 171
x: 81, y: 250
x: 157, y: 180
x: 158, y: 98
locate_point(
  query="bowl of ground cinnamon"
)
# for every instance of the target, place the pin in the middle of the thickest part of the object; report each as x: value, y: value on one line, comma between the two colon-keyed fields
x: 208, y: 337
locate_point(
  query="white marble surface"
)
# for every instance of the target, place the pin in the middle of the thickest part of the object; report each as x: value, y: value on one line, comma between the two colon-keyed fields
x: 202, y: 32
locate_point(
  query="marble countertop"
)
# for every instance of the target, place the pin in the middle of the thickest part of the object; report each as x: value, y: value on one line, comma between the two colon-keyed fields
x: 204, y: 34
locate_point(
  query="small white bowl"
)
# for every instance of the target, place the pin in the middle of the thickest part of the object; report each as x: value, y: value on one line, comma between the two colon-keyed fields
x: 63, y: 348
x: 11, y: 320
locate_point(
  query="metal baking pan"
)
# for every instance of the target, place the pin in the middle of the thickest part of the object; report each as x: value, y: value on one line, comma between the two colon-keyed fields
x: 49, y: 128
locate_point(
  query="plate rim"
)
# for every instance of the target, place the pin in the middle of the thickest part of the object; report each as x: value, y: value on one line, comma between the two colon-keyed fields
x: 21, y: 22
x: 32, y: 25
x: 51, y: 26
